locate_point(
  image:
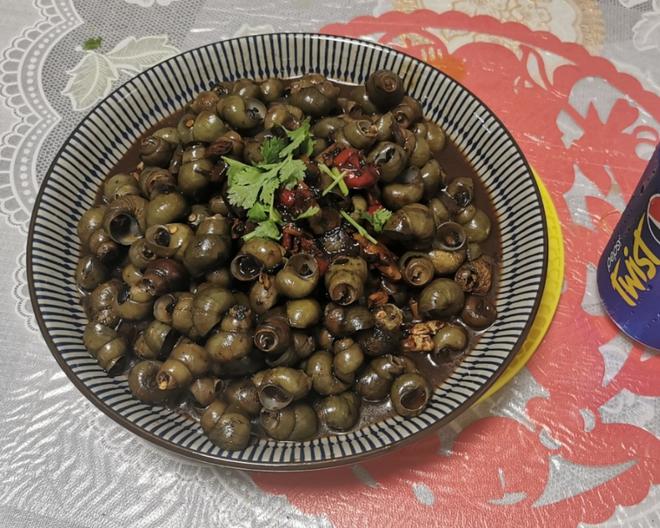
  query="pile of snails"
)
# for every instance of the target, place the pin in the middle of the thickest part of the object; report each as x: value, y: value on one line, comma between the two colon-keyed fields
x: 286, y: 335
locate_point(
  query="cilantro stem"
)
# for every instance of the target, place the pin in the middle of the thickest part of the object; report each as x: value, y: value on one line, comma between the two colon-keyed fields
x: 311, y: 211
x: 337, y: 179
x: 361, y: 230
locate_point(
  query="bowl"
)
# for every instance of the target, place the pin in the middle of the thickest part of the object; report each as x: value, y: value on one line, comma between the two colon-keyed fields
x: 101, y: 138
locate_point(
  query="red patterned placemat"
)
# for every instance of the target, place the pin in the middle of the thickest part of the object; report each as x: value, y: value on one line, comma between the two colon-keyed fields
x: 585, y: 438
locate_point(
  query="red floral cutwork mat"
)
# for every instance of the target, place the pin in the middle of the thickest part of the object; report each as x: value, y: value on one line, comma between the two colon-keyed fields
x: 585, y: 437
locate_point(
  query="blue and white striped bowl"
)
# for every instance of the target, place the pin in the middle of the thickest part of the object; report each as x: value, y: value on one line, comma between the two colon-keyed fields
x: 104, y: 135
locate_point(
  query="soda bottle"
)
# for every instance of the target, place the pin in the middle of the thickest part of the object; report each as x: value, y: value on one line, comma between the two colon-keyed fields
x: 629, y: 268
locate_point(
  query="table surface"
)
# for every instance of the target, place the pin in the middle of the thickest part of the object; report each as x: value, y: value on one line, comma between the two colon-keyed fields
x: 572, y: 440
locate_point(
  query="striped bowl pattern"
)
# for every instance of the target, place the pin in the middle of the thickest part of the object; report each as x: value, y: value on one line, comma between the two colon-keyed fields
x: 110, y: 128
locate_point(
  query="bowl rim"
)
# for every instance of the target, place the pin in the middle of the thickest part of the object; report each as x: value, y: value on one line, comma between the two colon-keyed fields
x: 330, y: 462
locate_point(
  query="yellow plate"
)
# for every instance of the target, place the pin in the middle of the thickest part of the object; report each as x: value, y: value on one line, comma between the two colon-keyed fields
x: 549, y: 299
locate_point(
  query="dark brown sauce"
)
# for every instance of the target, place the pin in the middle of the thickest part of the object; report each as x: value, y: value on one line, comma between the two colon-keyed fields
x: 454, y: 164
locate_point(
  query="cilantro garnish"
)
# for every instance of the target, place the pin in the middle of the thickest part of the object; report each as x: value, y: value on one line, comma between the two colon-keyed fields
x: 92, y: 43
x: 258, y: 213
x: 265, y: 229
x: 254, y: 187
x: 337, y: 179
x: 250, y: 184
x: 271, y: 148
x: 300, y: 137
x: 310, y: 212
x: 245, y: 183
x: 378, y: 218
x: 361, y: 230
x: 274, y: 215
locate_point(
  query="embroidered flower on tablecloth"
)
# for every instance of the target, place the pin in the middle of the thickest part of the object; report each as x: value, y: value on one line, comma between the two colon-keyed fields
x: 495, y: 8
x: 531, y: 13
x: 632, y: 3
x: 646, y: 32
x: 92, y: 78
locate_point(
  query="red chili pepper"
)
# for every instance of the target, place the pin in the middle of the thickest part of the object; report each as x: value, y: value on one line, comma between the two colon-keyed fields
x: 344, y: 156
x: 296, y: 200
x: 373, y: 208
x: 365, y: 177
x: 358, y: 173
x: 372, y: 201
x: 287, y: 241
x: 287, y: 197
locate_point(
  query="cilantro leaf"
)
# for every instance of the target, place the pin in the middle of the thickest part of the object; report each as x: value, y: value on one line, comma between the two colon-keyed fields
x: 361, y: 230
x: 271, y: 148
x: 378, y: 218
x: 275, y: 215
x: 257, y: 213
x: 291, y: 171
x: 244, y: 183
x: 265, y: 229
x: 300, y: 137
x: 268, y: 185
x: 92, y: 43
x: 236, y: 165
x: 310, y: 212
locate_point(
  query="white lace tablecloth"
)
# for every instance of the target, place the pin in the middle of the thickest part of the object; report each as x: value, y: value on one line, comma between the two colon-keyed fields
x: 65, y: 464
